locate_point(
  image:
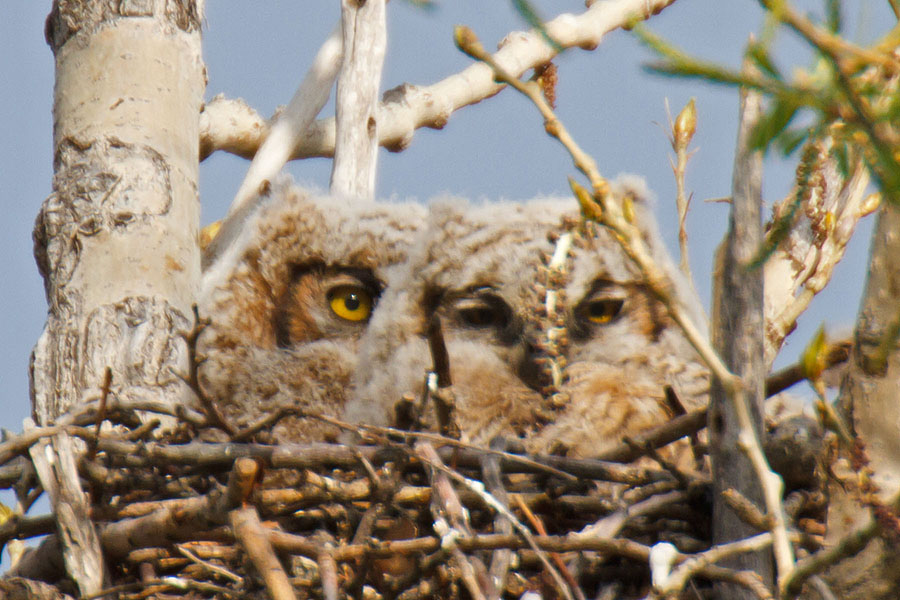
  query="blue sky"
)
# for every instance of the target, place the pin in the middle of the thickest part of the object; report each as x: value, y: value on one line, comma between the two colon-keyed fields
x: 259, y: 51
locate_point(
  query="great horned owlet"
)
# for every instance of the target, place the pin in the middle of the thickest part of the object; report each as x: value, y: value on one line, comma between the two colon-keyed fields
x: 289, y: 300
x: 551, y: 333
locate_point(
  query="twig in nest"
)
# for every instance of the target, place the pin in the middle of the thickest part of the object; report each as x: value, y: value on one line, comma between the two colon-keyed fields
x: 288, y: 542
x: 243, y: 478
x: 302, y: 456
x: 452, y: 522
x: 177, y: 519
x: 651, y: 452
x: 747, y: 511
x: 253, y: 537
x: 266, y: 423
x: 692, y: 565
x: 478, y: 488
x: 437, y: 384
x: 213, y: 568
x: 538, y: 526
x: 101, y: 411
x: 493, y: 480
x: 439, y: 356
x: 328, y: 574
x: 849, y: 545
x: 154, y: 586
x: 213, y: 414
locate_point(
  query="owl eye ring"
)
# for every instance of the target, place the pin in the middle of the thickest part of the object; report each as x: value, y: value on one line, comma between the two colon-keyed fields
x: 482, y: 311
x: 351, y: 302
x: 602, y: 310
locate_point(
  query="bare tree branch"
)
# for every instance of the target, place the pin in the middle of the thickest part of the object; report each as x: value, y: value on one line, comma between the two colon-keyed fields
x: 231, y: 126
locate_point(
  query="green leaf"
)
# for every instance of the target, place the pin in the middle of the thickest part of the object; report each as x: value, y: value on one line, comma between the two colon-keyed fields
x: 842, y: 158
x: 833, y: 19
x: 791, y: 139
x: 759, y: 53
x: 772, y: 124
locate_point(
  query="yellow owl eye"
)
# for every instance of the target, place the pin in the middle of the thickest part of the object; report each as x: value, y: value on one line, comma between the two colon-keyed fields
x: 350, y: 302
x: 603, y: 310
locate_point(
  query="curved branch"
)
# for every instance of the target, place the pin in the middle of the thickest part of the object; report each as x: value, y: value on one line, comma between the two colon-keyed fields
x: 232, y: 126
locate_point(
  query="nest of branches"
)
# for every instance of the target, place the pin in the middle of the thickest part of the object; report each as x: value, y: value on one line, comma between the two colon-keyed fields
x: 400, y: 515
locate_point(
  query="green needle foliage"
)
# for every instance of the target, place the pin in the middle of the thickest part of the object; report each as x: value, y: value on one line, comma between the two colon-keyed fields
x: 849, y: 92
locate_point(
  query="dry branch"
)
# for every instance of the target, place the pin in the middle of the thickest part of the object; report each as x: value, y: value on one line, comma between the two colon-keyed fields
x: 54, y: 461
x: 251, y: 534
x: 231, y: 126
x: 363, y: 30
x: 736, y: 413
x: 289, y: 125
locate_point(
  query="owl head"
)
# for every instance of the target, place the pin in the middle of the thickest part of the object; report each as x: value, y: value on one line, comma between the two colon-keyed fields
x: 290, y: 299
x: 551, y: 333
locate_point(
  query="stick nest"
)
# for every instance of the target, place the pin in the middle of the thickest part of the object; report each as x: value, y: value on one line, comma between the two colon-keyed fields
x: 399, y: 515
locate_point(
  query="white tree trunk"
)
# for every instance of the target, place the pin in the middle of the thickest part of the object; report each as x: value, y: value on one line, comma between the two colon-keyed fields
x: 356, y: 141
x: 116, y: 241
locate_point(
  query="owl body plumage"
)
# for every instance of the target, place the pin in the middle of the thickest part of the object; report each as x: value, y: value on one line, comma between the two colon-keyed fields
x: 284, y: 301
x: 511, y: 314
x: 552, y: 335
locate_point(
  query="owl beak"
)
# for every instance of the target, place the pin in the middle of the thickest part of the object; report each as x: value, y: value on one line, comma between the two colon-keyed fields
x: 532, y: 366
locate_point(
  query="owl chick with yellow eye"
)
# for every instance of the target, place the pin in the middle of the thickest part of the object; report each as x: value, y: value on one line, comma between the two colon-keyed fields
x: 289, y: 301
x: 551, y: 334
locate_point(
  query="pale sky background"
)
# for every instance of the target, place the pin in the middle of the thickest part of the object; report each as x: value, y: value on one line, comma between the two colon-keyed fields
x: 260, y: 50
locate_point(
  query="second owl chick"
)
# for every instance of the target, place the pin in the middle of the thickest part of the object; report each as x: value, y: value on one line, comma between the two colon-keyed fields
x: 289, y: 301
x: 562, y: 345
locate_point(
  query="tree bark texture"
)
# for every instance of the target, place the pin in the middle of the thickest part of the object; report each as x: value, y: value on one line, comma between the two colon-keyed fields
x: 356, y: 143
x: 869, y: 403
x: 738, y: 325
x: 116, y: 241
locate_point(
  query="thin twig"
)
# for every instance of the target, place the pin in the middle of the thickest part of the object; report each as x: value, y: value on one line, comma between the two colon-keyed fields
x: 682, y: 132
x: 451, y: 519
x: 478, y: 488
x: 816, y: 563
x: 211, y: 567
x: 611, y: 214
x: 493, y: 480
x: 287, y: 542
x: 691, y: 566
x: 210, y: 407
x: 158, y: 585
x: 538, y: 526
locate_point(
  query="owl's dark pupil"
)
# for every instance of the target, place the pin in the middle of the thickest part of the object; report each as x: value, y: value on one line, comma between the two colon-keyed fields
x: 352, y: 301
